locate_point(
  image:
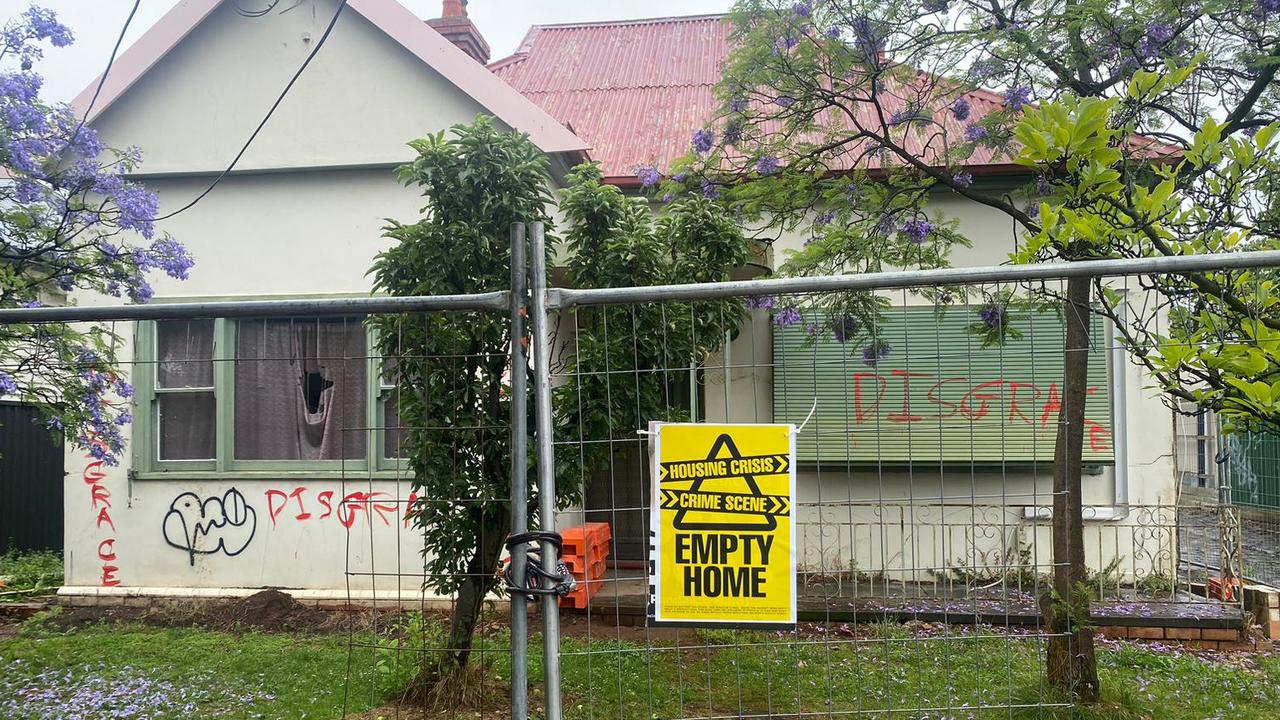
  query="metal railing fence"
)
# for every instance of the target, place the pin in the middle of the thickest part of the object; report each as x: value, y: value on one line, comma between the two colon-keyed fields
x: 922, y: 533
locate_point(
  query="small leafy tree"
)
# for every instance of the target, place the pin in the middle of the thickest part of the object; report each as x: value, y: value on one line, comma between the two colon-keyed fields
x: 629, y: 365
x: 454, y: 397
x: 1145, y: 129
x: 70, y: 220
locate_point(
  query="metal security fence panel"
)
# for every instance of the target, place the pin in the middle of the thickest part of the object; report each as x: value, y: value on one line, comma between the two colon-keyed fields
x: 313, y: 444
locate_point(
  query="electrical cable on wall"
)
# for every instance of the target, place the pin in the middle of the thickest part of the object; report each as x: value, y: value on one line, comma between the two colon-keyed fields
x: 342, y: 4
x: 257, y: 13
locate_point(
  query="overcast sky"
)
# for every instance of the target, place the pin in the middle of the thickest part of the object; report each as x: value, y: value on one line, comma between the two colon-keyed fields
x: 503, y: 23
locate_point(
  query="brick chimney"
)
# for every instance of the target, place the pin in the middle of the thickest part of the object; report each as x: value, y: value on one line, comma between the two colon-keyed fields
x: 458, y: 29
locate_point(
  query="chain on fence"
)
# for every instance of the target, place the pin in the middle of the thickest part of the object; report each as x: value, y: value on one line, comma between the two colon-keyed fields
x: 385, y: 451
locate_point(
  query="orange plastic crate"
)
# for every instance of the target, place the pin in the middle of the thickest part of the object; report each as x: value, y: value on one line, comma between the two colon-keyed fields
x: 578, y: 539
x: 580, y: 562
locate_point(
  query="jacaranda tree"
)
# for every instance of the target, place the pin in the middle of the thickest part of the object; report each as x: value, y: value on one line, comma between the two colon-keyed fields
x: 1143, y: 129
x: 71, y: 221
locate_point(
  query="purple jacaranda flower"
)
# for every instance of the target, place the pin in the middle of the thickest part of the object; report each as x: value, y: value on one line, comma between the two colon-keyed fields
x: 974, y: 132
x: 784, y: 101
x: 962, y: 179
x: 985, y: 69
x: 759, y: 302
x: 873, y: 353
x: 916, y: 230
x: 832, y: 33
x: 1043, y: 186
x: 1154, y: 39
x: 45, y: 26
x: 679, y: 177
x: 767, y: 165
x: 738, y: 105
x: 710, y: 190
x: 993, y: 315
x: 8, y: 385
x: 1269, y: 6
x: 826, y: 218
x: 732, y: 132
x: 124, y: 418
x: 123, y: 388
x: 142, y: 292
x: 908, y: 115
x: 802, y: 9
x: 868, y: 37
x: 1159, y: 32
x: 1017, y: 96
x: 960, y: 109
x: 885, y: 224
x: 138, y: 209
x: 31, y: 304
x: 843, y: 328
x: 703, y: 140
x: 667, y: 197
x: 647, y: 176
x: 784, y: 43
x: 812, y: 329
x: 786, y: 316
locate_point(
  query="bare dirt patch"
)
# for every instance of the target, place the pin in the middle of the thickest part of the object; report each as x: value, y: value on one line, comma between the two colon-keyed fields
x: 268, y: 611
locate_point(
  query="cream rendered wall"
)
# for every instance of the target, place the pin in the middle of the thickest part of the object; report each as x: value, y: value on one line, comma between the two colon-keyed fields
x: 302, y: 217
x: 358, y: 103
x: 895, y: 521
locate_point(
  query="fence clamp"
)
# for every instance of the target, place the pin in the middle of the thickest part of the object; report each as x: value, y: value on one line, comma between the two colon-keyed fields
x: 562, y: 579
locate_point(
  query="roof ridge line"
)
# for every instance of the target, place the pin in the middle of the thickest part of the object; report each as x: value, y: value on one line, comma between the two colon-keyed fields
x: 633, y: 21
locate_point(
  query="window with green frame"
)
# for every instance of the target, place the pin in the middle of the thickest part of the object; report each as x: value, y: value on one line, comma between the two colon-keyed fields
x: 262, y: 395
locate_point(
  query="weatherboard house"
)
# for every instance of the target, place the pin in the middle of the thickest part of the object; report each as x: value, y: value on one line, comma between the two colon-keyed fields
x: 243, y: 470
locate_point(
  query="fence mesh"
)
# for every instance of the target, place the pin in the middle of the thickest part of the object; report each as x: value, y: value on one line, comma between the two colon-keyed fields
x: 924, y: 487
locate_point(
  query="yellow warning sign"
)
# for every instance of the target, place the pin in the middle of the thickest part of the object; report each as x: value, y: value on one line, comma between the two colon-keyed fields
x: 722, y: 525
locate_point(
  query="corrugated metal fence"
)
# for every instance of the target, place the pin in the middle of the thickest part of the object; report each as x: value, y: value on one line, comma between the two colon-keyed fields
x: 31, y: 472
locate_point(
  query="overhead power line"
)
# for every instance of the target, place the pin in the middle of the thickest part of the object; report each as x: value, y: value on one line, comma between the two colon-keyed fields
x: 103, y: 78
x: 310, y: 56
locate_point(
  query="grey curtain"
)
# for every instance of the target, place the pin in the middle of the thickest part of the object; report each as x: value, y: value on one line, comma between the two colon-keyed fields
x: 300, y: 390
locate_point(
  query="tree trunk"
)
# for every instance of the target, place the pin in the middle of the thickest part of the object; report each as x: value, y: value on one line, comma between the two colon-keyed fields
x: 481, y: 573
x: 1072, y: 664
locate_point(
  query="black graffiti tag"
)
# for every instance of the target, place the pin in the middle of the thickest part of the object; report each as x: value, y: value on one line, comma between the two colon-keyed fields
x: 218, y: 524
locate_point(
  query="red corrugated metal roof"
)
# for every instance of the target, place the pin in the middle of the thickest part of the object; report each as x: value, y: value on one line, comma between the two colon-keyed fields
x: 636, y: 90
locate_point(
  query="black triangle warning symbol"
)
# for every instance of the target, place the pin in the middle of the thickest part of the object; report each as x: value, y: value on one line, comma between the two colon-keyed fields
x: 733, y: 521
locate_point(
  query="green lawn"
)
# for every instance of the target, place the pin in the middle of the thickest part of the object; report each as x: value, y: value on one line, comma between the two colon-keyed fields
x: 108, y: 672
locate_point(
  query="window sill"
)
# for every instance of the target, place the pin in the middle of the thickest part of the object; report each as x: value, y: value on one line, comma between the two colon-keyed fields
x: 282, y: 474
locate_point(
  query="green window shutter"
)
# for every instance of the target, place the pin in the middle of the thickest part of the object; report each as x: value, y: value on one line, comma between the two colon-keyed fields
x: 939, y: 396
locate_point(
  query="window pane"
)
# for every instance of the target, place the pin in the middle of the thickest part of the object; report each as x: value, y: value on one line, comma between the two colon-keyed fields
x: 300, y: 390
x: 393, y: 436
x: 186, y: 423
x: 184, y: 351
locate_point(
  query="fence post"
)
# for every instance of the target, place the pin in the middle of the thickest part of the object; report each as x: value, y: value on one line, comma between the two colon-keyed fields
x: 519, y: 479
x: 1230, y: 547
x: 546, y: 472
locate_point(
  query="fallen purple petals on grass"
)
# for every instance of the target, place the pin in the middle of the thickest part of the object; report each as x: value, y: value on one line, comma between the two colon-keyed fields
x: 94, y: 692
